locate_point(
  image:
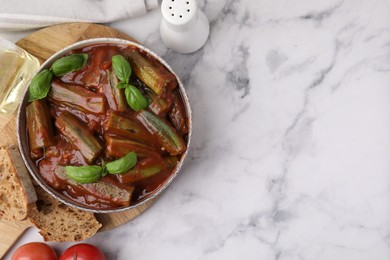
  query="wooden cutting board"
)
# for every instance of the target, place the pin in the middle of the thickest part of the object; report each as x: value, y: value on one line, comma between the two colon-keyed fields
x: 42, y: 44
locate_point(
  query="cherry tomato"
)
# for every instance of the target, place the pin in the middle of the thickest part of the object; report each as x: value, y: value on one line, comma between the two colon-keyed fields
x: 82, y: 252
x: 34, y: 251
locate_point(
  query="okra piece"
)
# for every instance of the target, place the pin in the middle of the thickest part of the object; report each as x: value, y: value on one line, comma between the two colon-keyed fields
x: 171, y: 162
x: 147, y: 168
x: 78, y: 134
x: 116, y: 147
x: 99, y: 189
x: 110, y: 192
x: 151, y: 72
x: 39, y: 125
x: 177, y: 114
x: 165, y: 133
x: 77, y: 97
x: 115, y: 96
x: 129, y: 128
x: 159, y: 105
x: 140, y: 173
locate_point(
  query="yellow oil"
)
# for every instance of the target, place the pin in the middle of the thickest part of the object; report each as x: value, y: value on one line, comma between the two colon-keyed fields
x: 17, y: 67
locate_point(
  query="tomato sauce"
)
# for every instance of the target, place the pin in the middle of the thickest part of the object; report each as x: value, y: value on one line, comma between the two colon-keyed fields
x: 153, y: 167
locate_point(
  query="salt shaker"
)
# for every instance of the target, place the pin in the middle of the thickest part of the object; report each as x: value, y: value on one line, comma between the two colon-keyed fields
x: 184, y: 27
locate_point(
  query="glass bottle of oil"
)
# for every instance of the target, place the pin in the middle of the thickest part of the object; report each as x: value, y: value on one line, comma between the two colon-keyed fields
x: 17, y: 67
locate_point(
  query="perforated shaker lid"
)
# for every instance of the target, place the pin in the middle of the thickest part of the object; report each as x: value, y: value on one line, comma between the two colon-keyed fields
x: 178, y: 12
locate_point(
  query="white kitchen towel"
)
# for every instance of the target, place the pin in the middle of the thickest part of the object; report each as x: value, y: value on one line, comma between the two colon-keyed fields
x: 28, y: 14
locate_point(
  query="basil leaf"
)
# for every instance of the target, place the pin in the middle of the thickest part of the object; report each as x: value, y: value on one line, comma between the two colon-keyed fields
x: 121, y: 68
x: 84, y: 174
x: 121, y: 85
x: 40, y: 85
x: 69, y: 63
x: 123, y: 164
x: 135, y: 99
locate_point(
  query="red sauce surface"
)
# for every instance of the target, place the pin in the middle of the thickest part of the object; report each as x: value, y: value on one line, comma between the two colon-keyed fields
x: 94, y: 77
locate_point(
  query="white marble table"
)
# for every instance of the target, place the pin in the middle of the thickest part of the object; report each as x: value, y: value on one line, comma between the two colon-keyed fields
x: 290, y: 155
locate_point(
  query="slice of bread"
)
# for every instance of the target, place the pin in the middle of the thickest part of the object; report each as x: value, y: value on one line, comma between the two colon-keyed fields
x: 59, y: 222
x: 17, y: 194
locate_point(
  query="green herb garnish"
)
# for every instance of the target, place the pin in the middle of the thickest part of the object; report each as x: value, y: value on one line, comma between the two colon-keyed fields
x: 123, y: 164
x: 40, y: 85
x: 69, y: 63
x: 134, y: 97
x: 121, y: 68
x: 91, y: 173
x: 84, y: 174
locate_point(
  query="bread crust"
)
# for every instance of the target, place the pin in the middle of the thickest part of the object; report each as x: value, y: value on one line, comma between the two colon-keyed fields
x: 59, y: 222
x: 17, y: 196
x: 21, y: 199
